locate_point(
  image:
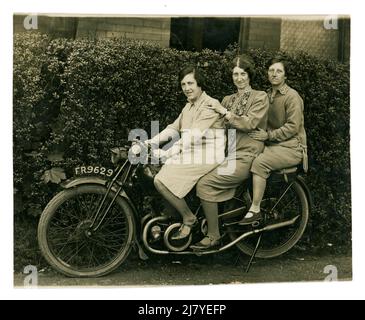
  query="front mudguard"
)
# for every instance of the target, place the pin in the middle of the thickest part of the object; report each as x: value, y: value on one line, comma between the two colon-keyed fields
x: 77, y: 181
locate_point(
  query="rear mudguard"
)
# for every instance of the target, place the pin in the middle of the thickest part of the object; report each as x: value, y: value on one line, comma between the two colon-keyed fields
x: 302, y: 182
x: 77, y: 181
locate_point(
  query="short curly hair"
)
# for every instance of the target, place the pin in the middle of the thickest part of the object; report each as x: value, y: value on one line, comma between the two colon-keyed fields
x: 283, y: 60
x: 246, y: 63
x: 200, y: 80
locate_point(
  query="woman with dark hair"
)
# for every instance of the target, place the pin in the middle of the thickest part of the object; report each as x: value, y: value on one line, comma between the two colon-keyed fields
x: 244, y: 112
x: 200, y: 133
x: 285, y: 137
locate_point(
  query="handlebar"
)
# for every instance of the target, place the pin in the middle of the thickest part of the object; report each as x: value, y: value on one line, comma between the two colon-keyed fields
x: 137, y: 148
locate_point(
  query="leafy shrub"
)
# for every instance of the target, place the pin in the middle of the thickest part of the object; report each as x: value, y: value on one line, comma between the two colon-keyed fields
x: 25, y: 243
x: 75, y: 99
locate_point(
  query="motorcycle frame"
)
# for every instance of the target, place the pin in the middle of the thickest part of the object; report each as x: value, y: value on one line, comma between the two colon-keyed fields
x: 118, y: 187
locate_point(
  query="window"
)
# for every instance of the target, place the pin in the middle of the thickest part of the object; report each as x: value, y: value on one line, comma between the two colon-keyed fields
x: 195, y: 34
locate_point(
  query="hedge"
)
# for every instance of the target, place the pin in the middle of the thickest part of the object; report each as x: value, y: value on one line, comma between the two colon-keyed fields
x: 75, y: 99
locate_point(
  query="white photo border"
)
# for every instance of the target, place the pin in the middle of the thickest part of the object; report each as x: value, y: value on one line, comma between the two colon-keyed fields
x: 340, y: 290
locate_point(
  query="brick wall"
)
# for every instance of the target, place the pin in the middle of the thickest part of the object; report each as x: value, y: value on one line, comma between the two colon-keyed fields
x: 54, y: 26
x: 291, y: 34
x: 260, y: 33
x: 152, y: 29
x: 309, y: 35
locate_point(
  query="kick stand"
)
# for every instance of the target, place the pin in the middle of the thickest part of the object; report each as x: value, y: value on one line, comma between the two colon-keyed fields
x: 237, y: 259
x: 254, y: 253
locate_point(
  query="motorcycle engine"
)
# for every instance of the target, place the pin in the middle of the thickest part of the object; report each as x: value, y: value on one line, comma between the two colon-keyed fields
x: 157, y: 235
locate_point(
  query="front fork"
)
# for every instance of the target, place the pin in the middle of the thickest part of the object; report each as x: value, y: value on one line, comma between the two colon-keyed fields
x: 100, y: 214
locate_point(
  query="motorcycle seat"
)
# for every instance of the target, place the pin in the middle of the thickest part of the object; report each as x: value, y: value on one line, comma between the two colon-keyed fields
x: 289, y: 174
x: 287, y: 170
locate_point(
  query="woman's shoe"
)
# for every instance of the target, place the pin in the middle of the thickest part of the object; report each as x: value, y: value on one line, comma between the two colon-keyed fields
x: 206, y: 243
x: 256, y: 216
x: 184, y: 231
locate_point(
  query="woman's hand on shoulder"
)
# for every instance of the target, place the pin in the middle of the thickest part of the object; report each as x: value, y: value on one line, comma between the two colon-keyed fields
x: 260, y: 135
x: 217, y: 107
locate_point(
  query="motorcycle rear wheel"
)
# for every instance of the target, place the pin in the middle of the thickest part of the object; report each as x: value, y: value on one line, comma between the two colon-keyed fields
x: 65, y: 240
x: 283, y: 201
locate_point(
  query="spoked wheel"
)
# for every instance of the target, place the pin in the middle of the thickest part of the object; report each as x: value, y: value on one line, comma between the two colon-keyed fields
x: 282, y: 202
x: 71, y: 246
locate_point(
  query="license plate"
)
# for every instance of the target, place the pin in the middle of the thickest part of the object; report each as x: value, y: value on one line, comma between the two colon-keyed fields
x: 88, y: 170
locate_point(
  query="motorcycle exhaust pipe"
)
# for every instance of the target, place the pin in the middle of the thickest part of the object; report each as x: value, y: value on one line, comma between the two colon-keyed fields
x: 250, y: 233
x: 145, y: 235
x: 281, y: 224
x: 229, y: 245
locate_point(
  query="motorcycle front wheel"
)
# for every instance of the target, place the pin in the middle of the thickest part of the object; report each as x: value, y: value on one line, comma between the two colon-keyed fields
x: 64, y: 233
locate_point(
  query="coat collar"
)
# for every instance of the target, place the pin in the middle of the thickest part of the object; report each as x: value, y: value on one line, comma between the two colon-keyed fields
x: 202, y: 97
x: 283, y: 89
x: 247, y: 90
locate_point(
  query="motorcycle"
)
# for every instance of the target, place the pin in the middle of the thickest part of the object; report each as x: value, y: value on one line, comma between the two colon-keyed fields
x: 90, y: 227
